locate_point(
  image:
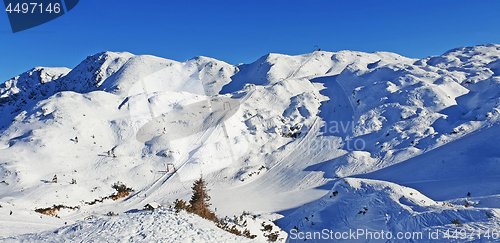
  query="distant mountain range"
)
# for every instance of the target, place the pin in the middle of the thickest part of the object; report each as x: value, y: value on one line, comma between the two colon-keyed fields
x: 339, y: 141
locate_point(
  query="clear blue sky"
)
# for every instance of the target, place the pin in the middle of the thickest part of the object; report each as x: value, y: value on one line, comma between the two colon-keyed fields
x: 242, y: 31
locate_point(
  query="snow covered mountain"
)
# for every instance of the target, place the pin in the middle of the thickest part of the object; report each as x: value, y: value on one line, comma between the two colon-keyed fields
x: 339, y: 141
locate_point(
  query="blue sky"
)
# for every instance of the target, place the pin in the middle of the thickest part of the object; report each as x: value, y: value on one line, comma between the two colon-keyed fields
x: 243, y: 31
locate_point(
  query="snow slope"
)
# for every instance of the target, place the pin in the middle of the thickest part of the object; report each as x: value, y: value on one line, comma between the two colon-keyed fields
x: 158, y: 225
x: 275, y: 137
x: 377, y: 206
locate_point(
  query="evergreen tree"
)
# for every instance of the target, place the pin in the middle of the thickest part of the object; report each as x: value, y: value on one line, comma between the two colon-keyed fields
x: 200, y: 201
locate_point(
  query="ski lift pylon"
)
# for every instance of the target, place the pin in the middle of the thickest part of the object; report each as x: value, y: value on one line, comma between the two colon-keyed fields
x: 173, y: 167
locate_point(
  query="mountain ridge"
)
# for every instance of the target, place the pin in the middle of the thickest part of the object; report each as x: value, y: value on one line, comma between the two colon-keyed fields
x: 302, y: 124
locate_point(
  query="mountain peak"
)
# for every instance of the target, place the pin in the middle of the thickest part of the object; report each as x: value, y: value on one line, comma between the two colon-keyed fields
x: 96, y: 68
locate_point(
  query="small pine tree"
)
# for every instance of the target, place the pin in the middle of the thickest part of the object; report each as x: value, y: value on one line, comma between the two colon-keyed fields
x: 54, y: 179
x: 199, y: 203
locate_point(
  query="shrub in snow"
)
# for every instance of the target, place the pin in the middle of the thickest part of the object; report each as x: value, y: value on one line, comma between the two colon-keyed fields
x: 456, y: 222
x: 272, y: 237
x: 226, y: 226
x: 247, y: 234
x: 180, y: 205
x: 110, y: 213
x: 122, y: 191
x: 52, y: 211
x: 267, y: 227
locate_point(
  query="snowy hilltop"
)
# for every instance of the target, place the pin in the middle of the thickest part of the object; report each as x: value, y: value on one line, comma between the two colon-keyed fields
x: 338, y: 141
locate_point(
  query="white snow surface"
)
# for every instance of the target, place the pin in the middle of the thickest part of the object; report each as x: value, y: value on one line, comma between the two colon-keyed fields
x: 148, y: 226
x: 408, y: 142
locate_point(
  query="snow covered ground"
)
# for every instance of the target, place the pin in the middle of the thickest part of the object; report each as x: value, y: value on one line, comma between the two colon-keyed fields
x: 339, y: 141
x: 151, y: 226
